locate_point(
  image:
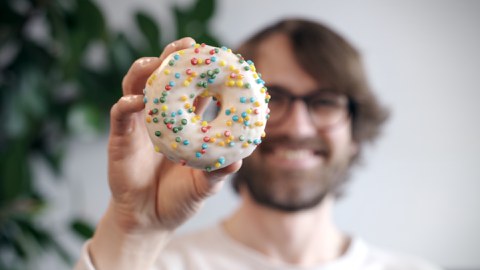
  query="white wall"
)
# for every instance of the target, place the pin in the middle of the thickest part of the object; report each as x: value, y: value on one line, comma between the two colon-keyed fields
x: 419, y: 190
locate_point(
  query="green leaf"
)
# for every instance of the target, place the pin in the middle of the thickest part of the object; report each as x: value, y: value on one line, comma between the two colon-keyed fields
x: 61, y: 251
x: 121, y: 54
x: 209, y: 39
x: 195, y: 29
x: 15, y: 171
x: 91, y: 19
x: 54, y: 158
x: 57, y: 20
x: 203, y: 10
x: 8, y: 15
x: 30, y: 230
x: 82, y: 228
x: 150, y: 31
x: 181, y: 20
x: 10, y: 24
x: 87, y: 119
x: 40, y: 239
x: 9, y: 232
x: 193, y: 22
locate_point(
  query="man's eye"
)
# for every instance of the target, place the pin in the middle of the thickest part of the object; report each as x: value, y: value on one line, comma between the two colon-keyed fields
x: 324, y: 102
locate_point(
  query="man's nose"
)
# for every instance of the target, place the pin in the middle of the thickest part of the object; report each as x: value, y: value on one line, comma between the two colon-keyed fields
x: 297, y: 122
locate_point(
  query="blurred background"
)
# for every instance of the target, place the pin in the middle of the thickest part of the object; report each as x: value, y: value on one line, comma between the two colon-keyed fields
x: 62, y: 62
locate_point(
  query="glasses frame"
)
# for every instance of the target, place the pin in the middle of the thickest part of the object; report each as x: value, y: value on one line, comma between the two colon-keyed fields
x: 307, y: 101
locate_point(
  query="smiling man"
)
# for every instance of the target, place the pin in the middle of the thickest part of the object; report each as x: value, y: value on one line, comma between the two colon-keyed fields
x: 322, y: 114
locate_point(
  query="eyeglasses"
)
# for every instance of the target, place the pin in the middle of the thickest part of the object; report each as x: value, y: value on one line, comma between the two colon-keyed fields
x: 326, y: 108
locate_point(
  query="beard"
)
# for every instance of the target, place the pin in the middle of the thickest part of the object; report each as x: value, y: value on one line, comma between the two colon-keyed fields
x: 292, y: 190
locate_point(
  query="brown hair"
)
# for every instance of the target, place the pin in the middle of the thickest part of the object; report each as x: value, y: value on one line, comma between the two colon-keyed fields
x: 329, y: 58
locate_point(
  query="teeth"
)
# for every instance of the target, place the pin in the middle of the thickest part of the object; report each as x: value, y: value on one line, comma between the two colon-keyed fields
x: 293, y: 154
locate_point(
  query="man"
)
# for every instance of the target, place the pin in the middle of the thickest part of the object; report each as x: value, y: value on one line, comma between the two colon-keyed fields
x: 322, y: 114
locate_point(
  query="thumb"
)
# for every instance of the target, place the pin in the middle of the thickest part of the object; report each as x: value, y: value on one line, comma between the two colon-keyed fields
x: 220, y: 174
x: 121, y: 114
x: 208, y: 183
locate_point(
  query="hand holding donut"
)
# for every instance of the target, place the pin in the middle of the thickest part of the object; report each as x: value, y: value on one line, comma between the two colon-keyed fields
x: 151, y: 195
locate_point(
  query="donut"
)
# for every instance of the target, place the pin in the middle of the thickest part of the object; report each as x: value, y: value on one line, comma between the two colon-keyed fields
x: 185, y: 137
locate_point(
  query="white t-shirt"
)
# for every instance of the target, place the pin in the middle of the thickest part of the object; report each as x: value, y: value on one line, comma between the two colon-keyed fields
x: 214, y: 249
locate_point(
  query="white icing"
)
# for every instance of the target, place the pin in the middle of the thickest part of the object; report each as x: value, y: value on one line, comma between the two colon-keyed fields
x: 215, y: 156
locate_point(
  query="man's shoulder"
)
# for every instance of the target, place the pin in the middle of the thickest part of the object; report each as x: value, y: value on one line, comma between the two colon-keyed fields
x: 389, y: 260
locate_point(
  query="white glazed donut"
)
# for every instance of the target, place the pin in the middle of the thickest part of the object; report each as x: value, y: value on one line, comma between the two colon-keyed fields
x: 181, y: 134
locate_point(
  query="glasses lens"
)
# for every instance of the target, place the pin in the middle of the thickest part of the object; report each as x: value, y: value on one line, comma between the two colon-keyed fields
x: 327, y: 108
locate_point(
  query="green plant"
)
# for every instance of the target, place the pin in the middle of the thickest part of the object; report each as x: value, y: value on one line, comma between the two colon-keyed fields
x: 46, y: 80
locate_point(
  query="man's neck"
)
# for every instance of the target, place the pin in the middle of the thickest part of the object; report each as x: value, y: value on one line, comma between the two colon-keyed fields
x: 302, y: 238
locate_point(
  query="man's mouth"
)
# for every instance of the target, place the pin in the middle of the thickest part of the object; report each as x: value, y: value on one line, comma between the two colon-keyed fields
x: 301, y: 158
x: 292, y: 154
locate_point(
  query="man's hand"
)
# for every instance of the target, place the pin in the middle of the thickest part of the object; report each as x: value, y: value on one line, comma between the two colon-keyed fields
x: 151, y: 196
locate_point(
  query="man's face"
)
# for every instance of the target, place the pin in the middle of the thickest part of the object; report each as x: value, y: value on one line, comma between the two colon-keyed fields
x: 297, y: 164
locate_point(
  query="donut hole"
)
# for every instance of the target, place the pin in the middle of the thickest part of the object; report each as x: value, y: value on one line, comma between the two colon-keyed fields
x: 207, y: 107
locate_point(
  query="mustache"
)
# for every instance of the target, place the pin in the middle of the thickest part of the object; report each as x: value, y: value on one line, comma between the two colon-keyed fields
x: 314, y: 143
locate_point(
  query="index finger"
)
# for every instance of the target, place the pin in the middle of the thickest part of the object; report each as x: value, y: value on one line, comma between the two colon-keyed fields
x: 136, y: 77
